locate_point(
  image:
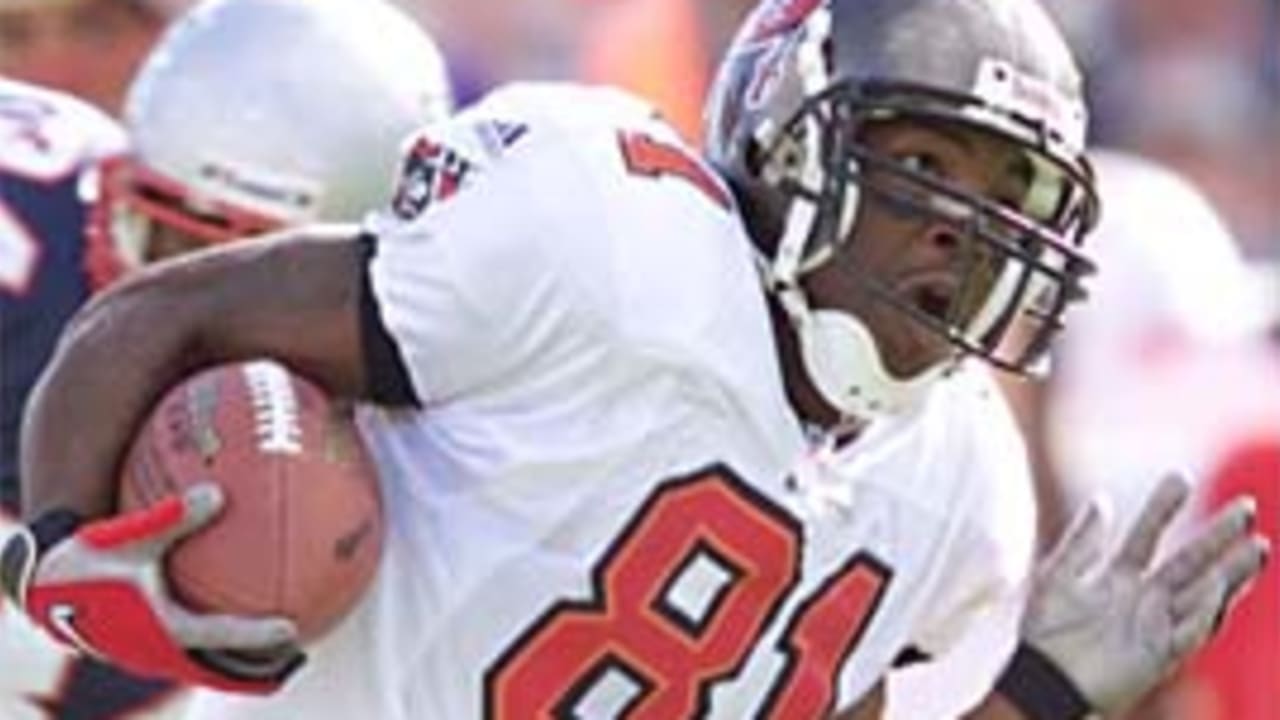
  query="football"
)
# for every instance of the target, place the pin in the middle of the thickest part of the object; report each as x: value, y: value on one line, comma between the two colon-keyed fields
x: 300, y: 532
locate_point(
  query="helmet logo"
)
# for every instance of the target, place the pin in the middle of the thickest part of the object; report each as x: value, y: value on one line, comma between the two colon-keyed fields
x: 274, y: 194
x: 432, y: 172
x: 504, y: 134
x: 766, y: 72
x: 775, y: 17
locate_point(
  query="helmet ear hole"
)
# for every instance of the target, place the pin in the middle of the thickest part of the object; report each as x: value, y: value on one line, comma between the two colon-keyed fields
x: 753, y: 158
x: 786, y: 160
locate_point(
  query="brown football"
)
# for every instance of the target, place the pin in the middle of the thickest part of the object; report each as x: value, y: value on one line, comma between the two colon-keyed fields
x: 300, y: 533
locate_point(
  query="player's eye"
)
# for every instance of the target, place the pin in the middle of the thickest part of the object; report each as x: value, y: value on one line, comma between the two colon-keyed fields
x: 922, y: 162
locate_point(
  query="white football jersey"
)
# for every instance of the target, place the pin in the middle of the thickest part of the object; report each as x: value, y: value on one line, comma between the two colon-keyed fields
x: 973, y: 496
x: 594, y: 514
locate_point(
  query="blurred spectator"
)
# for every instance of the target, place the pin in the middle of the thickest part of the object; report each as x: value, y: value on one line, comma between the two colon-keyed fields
x: 1167, y: 367
x: 1172, y: 307
x: 1197, y: 86
x: 663, y: 50
x: 89, y: 48
x: 488, y: 42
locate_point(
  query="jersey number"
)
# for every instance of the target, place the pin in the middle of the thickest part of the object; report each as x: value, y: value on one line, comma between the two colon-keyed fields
x: 652, y: 158
x: 649, y: 646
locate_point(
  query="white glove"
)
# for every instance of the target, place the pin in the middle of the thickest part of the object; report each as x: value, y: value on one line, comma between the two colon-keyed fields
x: 1115, y: 629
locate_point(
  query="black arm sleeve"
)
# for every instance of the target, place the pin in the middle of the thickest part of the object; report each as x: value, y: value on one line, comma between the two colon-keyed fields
x: 1039, y: 689
x: 387, y: 380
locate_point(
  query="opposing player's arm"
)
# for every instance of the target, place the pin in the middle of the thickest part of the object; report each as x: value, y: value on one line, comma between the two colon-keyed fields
x: 296, y: 297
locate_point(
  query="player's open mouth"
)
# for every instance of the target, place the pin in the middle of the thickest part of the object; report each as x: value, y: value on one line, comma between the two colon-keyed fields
x: 931, y: 293
x: 932, y: 302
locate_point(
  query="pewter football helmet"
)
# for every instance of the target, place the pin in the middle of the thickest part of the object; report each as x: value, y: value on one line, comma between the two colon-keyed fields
x: 784, y: 120
x: 253, y: 114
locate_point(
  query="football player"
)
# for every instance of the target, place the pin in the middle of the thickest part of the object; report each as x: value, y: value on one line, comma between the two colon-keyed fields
x: 251, y: 115
x: 49, y: 144
x: 229, y: 134
x: 641, y: 418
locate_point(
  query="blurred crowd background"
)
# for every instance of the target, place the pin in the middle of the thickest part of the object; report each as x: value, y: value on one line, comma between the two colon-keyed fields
x: 1181, y: 363
x: 1195, y: 84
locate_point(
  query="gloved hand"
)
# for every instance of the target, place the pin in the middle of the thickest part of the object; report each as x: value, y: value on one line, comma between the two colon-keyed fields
x: 1109, y: 632
x: 99, y: 588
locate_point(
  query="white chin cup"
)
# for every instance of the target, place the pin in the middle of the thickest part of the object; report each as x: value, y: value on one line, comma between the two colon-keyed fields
x: 843, y: 362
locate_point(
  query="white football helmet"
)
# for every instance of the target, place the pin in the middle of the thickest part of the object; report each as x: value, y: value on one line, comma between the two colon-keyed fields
x: 253, y: 114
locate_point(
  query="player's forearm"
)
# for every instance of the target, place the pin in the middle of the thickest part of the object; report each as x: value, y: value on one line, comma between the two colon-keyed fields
x: 294, y: 298
x: 114, y: 359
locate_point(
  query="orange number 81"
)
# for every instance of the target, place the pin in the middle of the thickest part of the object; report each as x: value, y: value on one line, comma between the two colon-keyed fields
x: 629, y: 628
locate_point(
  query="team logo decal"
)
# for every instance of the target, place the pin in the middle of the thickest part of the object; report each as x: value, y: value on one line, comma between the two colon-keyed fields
x: 432, y: 172
x: 780, y: 16
x: 766, y: 73
x: 498, y: 136
x: 508, y: 133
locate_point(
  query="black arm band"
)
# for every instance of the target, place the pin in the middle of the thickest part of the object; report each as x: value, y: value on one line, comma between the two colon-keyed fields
x: 53, y: 526
x: 388, y: 379
x: 1040, y: 691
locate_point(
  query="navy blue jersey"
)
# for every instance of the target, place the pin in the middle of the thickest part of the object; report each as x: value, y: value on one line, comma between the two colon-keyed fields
x: 46, y: 142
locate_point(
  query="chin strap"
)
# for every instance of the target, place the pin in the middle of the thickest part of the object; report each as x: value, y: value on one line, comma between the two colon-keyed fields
x: 842, y: 360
